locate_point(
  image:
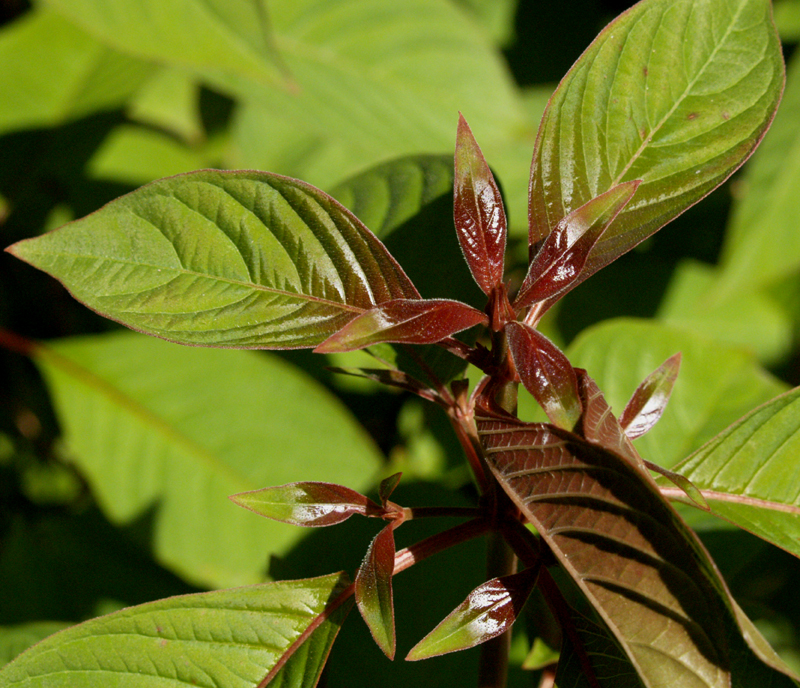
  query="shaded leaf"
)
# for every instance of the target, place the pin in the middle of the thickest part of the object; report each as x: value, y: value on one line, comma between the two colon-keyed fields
x: 60, y: 73
x: 489, y: 611
x: 167, y: 433
x: 642, y: 570
x: 717, y: 384
x: 478, y: 212
x: 235, y: 259
x: 244, y: 633
x: 650, y: 399
x: 546, y: 374
x: 749, y: 474
x: 388, y: 486
x: 560, y: 260
x: 405, y: 321
x: 674, y: 93
x: 374, y: 590
x: 307, y: 503
x: 16, y: 639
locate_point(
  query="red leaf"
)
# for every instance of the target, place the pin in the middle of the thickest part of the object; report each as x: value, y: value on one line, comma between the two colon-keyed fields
x: 388, y: 486
x: 478, y: 211
x: 562, y: 257
x: 546, y: 373
x: 650, y: 399
x: 309, y: 504
x: 373, y: 588
x: 407, y: 321
x: 489, y: 611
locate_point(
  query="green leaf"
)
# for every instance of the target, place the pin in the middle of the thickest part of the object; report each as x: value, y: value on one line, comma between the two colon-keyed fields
x: 676, y: 93
x: 762, y: 243
x: 639, y: 566
x: 16, y: 639
x: 717, y: 384
x: 170, y: 100
x: 229, y: 638
x: 489, y: 611
x: 218, y: 36
x: 750, y: 473
x: 373, y: 588
x: 55, y: 72
x: 235, y: 259
x: 174, y: 431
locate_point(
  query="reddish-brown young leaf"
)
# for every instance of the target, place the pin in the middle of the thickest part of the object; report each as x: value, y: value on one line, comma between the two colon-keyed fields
x: 546, y: 374
x: 404, y: 321
x: 309, y: 504
x: 489, y: 611
x: 598, y: 425
x: 650, y: 399
x: 373, y: 586
x: 559, y: 262
x: 388, y: 486
x: 645, y: 573
x: 478, y: 211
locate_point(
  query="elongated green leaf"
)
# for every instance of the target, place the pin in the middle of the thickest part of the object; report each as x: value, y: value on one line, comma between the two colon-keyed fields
x: 750, y: 473
x: 762, y: 243
x: 642, y: 570
x: 236, y: 259
x: 54, y: 72
x: 373, y: 588
x: 230, y: 638
x: 717, y: 384
x: 176, y: 430
x: 676, y: 93
x: 489, y: 611
x: 15, y: 639
x: 215, y: 35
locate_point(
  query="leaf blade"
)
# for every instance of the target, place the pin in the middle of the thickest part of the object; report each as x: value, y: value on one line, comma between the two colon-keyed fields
x: 374, y: 595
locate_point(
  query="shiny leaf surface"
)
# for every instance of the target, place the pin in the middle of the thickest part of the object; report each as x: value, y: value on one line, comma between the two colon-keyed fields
x: 307, y: 503
x: 650, y: 399
x: 560, y: 260
x: 676, y: 93
x: 749, y: 473
x: 374, y: 595
x: 546, y: 374
x: 478, y: 212
x: 233, y: 259
x: 642, y: 570
x: 244, y: 633
x: 489, y: 611
x: 405, y: 321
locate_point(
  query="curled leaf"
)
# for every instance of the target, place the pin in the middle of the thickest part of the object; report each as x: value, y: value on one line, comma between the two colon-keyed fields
x: 489, y: 611
x: 478, y: 212
x: 374, y: 590
x: 406, y: 321
x: 650, y: 399
x: 307, y: 504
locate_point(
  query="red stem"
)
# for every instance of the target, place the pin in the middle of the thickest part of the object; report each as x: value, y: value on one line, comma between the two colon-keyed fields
x: 16, y: 343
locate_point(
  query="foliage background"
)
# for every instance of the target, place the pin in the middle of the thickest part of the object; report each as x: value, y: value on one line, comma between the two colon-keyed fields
x: 99, y: 101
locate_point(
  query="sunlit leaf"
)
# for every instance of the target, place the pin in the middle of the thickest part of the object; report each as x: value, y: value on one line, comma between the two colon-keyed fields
x: 235, y: 259
x: 650, y: 399
x: 307, y: 503
x: 489, y: 611
x: 404, y: 321
x: 561, y: 258
x: 15, y: 639
x: 546, y: 374
x: 750, y: 473
x: 480, y: 217
x: 374, y: 590
x: 641, y: 569
x: 243, y: 634
x: 167, y: 433
x: 676, y: 93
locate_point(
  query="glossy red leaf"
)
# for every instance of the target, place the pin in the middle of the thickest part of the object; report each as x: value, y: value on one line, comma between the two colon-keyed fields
x: 489, y: 611
x: 373, y: 589
x: 642, y: 569
x: 478, y: 211
x: 309, y: 504
x: 562, y: 257
x: 650, y: 399
x: 546, y: 374
x: 404, y: 321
